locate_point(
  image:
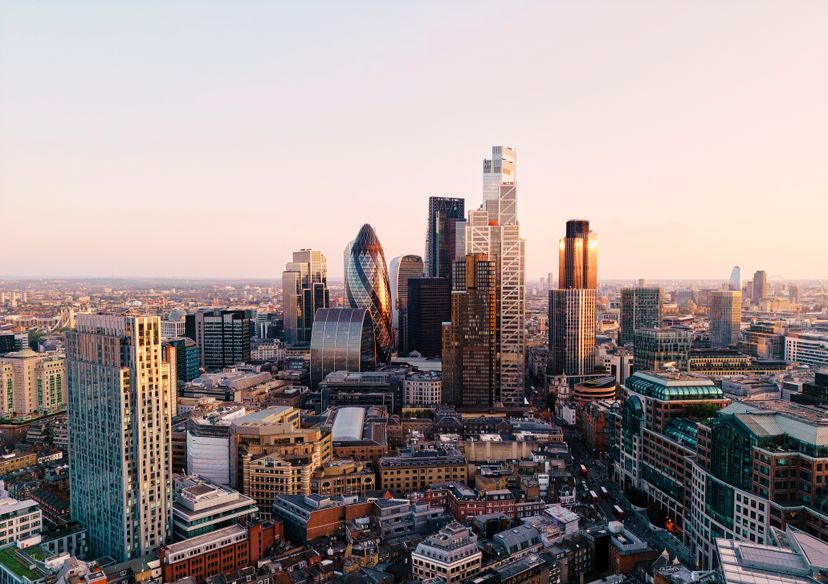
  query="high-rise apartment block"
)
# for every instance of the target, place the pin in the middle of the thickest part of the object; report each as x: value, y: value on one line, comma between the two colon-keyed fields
x: 572, y: 306
x: 493, y: 230
x: 222, y: 336
x: 445, y: 235
x: 304, y: 291
x: 32, y: 383
x: 725, y: 318
x: 640, y: 308
x: 429, y: 306
x: 470, y: 339
x: 120, y: 406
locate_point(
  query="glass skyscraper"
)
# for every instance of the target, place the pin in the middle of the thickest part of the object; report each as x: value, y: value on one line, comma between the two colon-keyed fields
x: 493, y: 230
x: 367, y: 286
x: 725, y: 318
x: 572, y: 305
x: 342, y: 340
x: 304, y: 291
x: 444, y: 238
x: 640, y: 308
x: 120, y: 410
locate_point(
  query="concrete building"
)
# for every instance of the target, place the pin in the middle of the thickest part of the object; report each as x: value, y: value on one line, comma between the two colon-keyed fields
x: 20, y: 521
x: 807, y: 349
x: 450, y: 554
x: 422, y: 390
x: 306, y: 517
x: 208, y: 444
x: 32, y: 383
x: 343, y: 476
x: 121, y: 402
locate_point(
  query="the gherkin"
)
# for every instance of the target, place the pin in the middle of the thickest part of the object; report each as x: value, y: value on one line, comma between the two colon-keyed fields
x: 367, y: 286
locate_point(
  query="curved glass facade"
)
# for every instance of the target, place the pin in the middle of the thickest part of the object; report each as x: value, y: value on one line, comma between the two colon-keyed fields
x: 367, y: 286
x: 342, y: 340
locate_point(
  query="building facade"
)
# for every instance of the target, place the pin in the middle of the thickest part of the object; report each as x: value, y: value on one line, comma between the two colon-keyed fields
x: 32, y: 383
x: 640, y: 308
x: 493, y: 230
x: 342, y: 340
x: 444, y: 236
x: 655, y: 348
x: 725, y: 318
x: 120, y: 409
x: 470, y: 355
x: 572, y: 319
x: 403, y: 269
x: 450, y: 554
x: 222, y: 337
x: 304, y: 291
x: 429, y: 306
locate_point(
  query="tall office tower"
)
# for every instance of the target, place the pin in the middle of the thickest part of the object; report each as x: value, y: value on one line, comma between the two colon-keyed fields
x: 793, y: 293
x: 470, y: 339
x: 572, y: 305
x: 493, y: 230
x: 578, y: 257
x: 735, y: 279
x: 367, y: 286
x: 222, y: 336
x: 640, y: 308
x: 120, y: 406
x: 446, y: 223
x: 760, y: 286
x: 725, y: 318
x: 429, y: 306
x: 304, y: 291
x: 403, y: 268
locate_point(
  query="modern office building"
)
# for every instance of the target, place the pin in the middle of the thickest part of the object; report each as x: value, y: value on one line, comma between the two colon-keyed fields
x: 270, y: 454
x: 735, y: 283
x: 171, y: 329
x: 222, y: 337
x: 470, y: 339
x: 367, y: 286
x: 342, y: 340
x: 32, y: 383
x: 760, y: 465
x: 304, y: 291
x: 764, y: 340
x: 655, y: 435
x: 186, y: 358
x: 725, y: 318
x: 655, y: 348
x: 809, y: 348
x: 20, y: 520
x: 451, y: 554
x: 640, y: 308
x: 445, y: 235
x: 493, y: 230
x: 760, y: 286
x: 208, y: 444
x: 429, y: 306
x: 403, y: 269
x: 572, y: 306
x: 200, y: 506
x: 121, y: 402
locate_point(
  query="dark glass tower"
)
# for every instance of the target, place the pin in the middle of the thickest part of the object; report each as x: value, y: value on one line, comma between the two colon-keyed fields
x: 640, y: 308
x: 445, y: 225
x: 429, y: 306
x: 470, y: 340
x: 367, y: 286
x: 222, y: 336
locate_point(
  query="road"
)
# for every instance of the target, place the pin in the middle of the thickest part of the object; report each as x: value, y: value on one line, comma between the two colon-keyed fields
x: 634, y: 521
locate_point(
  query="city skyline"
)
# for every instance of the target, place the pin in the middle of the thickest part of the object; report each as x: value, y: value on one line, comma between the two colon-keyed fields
x: 622, y: 132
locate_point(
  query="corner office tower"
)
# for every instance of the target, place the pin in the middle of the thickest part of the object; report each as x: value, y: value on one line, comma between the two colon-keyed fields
x: 493, y: 230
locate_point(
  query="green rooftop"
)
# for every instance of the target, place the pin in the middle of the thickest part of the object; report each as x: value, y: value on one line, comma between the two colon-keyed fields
x: 673, y: 387
x: 17, y: 562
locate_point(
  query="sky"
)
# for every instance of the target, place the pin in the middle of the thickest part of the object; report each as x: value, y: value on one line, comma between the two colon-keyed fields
x: 211, y: 139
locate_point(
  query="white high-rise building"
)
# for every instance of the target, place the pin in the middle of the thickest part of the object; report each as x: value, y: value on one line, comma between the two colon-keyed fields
x: 493, y: 230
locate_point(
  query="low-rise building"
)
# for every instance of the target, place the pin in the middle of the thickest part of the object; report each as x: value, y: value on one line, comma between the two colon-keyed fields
x: 306, y: 517
x: 200, y: 507
x: 413, y: 470
x: 343, y: 476
x: 450, y: 554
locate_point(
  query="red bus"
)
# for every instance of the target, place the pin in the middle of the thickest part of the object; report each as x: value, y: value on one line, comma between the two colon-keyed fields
x: 619, y: 512
x: 583, y: 470
x: 593, y: 496
x: 604, y: 492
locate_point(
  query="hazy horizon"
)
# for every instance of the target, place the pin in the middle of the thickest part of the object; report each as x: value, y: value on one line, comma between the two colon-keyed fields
x: 173, y: 141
